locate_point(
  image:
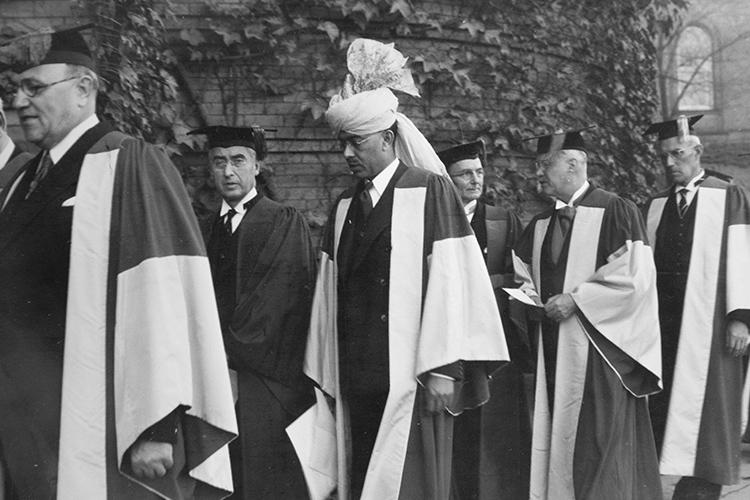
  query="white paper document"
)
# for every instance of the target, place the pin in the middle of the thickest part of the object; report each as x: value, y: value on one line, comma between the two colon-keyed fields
x: 518, y: 294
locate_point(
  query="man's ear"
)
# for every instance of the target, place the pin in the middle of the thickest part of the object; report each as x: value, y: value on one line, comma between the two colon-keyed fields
x: 572, y: 165
x: 389, y: 137
x: 699, y: 149
x: 85, y: 85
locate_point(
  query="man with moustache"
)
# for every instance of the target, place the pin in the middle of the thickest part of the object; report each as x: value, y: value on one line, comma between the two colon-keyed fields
x: 391, y: 341
x: 700, y: 229
x: 114, y: 382
x: 587, y: 263
x: 492, y: 444
x: 11, y: 156
x: 263, y: 268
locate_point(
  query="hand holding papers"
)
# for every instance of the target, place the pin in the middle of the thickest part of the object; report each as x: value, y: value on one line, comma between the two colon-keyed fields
x: 520, y: 296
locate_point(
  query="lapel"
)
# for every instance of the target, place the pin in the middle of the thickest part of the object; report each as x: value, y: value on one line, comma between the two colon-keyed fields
x: 379, y: 220
x: 19, y: 212
x: 479, y: 228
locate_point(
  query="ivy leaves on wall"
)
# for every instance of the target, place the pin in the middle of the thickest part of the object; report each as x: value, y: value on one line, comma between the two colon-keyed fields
x: 500, y: 69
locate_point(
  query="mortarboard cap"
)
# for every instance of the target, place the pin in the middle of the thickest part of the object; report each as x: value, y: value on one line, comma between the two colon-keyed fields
x: 466, y: 151
x: 220, y: 136
x: 68, y: 47
x: 680, y: 127
x: 559, y: 140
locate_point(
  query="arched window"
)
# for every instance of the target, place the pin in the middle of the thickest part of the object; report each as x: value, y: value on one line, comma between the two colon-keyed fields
x: 695, y: 69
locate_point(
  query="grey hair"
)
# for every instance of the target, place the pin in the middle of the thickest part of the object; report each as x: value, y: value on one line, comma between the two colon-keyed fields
x: 76, y: 70
x: 576, y: 154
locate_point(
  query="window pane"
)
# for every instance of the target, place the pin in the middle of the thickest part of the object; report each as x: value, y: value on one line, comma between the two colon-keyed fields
x: 695, y: 69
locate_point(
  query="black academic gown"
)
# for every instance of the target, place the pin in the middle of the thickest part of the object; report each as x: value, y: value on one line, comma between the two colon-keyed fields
x: 264, y: 284
x: 492, y: 444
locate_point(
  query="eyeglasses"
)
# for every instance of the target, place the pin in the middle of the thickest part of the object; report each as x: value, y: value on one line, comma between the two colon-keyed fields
x: 676, y: 154
x: 32, y: 88
x: 356, y: 141
x: 543, y: 164
x: 235, y: 161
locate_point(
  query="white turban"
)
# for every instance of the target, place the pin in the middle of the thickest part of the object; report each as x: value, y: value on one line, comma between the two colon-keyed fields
x: 369, y: 111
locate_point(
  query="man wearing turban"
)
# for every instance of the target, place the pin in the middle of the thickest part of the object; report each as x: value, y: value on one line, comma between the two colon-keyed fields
x: 404, y: 326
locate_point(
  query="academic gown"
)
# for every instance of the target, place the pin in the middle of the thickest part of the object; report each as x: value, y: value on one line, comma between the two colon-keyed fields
x: 703, y: 282
x: 432, y: 275
x: 264, y: 283
x: 95, y: 336
x: 591, y: 433
x: 492, y: 444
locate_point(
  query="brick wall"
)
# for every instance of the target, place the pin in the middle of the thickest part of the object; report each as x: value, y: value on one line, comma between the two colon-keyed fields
x: 309, y: 170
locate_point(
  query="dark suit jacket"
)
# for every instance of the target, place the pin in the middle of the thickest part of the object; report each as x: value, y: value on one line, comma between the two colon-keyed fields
x: 364, y: 277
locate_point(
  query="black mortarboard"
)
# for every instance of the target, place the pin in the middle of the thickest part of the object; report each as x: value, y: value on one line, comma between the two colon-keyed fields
x: 680, y: 126
x: 466, y: 151
x: 560, y: 139
x: 220, y: 136
x: 68, y: 47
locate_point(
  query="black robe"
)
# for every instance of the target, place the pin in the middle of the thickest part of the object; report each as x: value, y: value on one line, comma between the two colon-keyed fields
x: 264, y: 282
x: 492, y: 444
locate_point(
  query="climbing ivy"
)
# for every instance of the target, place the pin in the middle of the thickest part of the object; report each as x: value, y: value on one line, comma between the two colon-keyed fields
x: 503, y: 70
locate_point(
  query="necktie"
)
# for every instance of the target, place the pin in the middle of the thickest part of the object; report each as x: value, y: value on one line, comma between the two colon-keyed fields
x: 563, y: 221
x: 41, y: 171
x: 365, y: 199
x: 228, y: 221
x: 683, y: 204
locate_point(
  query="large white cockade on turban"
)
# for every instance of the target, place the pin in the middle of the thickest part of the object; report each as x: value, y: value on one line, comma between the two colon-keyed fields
x: 366, y: 103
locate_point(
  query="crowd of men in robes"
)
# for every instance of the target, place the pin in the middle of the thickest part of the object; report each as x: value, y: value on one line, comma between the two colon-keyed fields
x: 435, y: 350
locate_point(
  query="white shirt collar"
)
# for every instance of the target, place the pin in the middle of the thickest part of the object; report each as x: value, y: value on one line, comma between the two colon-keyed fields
x: 240, y: 208
x: 470, y: 208
x: 691, y: 186
x: 5, y: 153
x: 58, y: 150
x: 380, y: 181
x: 580, y: 192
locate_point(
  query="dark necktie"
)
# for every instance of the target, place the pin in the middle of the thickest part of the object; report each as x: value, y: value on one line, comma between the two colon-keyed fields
x: 41, y: 171
x: 682, y: 206
x: 563, y: 221
x: 365, y: 199
x: 228, y: 221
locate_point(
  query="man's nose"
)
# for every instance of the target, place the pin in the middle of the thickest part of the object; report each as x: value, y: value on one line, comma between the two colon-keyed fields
x: 20, y: 99
x: 348, y: 151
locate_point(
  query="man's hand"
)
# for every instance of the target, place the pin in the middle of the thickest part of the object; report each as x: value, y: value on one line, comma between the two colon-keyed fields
x: 439, y: 392
x: 738, y: 337
x: 151, y: 459
x: 535, y: 313
x: 560, y: 307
